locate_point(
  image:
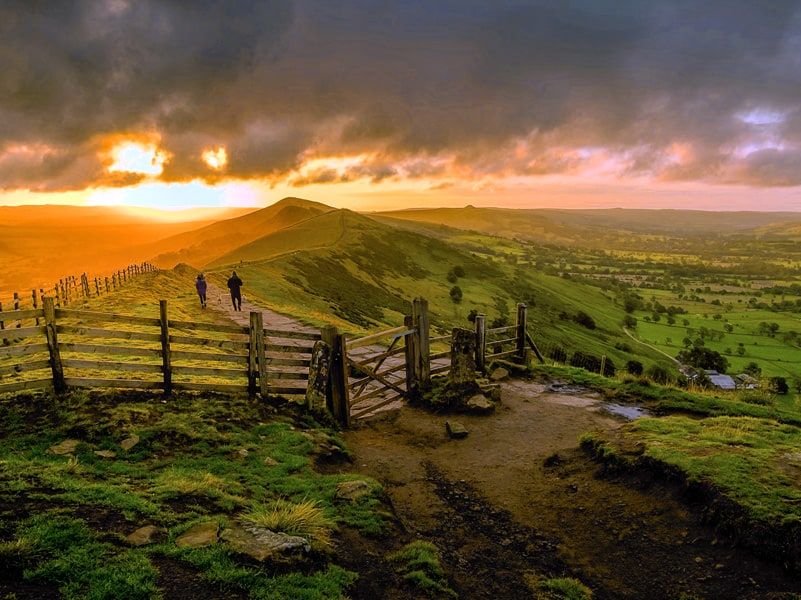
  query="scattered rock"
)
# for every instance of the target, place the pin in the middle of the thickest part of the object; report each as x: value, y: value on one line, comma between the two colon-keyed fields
x: 499, y: 374
x: 270, y: 462
x: 242, y: 453
x: 65, y: 447
x: 106, y: 453
x: 199, y: 536
x: 480, y: 405
x: 351, y: 490
x: 130, y: 442
x: 455, y: 429
x: 149, y: 534
x: 262, y: 544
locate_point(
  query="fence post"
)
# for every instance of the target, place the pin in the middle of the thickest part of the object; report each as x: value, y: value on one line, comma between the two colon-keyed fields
x: 421, y: 323
x: 16, y: 307
x: 256, y: 361
x: 52, y: 345
x: 2, y: 323
x: 412, y: 364
x: 603, y: 363
x: 481, y: 342
x: 521, y: 332
x: 166, y: 359
x: 339, y: 405
x: 35, y: 304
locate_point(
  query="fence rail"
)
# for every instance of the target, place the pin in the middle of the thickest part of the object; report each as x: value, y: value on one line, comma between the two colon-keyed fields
x: 91, y: 349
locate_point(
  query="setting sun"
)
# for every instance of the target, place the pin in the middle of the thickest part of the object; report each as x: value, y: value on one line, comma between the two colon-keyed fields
x: 215, y: 158
x: 134, y: 157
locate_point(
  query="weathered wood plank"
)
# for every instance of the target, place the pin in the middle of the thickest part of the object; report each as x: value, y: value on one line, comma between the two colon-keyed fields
x: 499, y: 330
x: 20, y: 332
x: 375, y: 407
x: 95, y: 332
x: 441, y: 369
x: 210, y: 356
x: 19, y: 315
x: 68, y: 313
x: 22, y: 350
x: 139, y: 384
x: 287, y: 362
x: 209, y: 371
x: 100, y: 349
x: 286, y: 375
x: 374, y: 337
x: 24, y: 367
x: 289, y: 349
x: 442, y: 338
x: 299, y: 335
x: 437, y: 355
x: 231, y: 388
x: 34, y: 384
x: 107, y: 365
x: 503, y: 341
x: 193, y: 341
x: 504, y: 354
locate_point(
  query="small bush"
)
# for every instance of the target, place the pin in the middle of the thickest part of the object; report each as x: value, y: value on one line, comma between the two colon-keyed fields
x: 305, y: 520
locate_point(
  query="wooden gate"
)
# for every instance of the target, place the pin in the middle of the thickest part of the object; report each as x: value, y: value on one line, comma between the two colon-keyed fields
x: 377, y: 375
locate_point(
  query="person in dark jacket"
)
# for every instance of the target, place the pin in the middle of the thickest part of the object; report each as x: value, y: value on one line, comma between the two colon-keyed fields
x: 200, y: 286
x: 234, y: 284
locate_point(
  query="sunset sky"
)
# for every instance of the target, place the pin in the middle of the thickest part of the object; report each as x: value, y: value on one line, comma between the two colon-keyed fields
x: 371, y: 104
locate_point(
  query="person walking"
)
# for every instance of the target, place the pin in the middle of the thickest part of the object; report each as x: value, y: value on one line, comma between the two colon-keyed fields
x: 200, y: 286
x: 235, y: 285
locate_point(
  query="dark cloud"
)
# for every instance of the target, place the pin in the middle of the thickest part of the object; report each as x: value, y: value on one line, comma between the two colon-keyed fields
x: 508, y: 87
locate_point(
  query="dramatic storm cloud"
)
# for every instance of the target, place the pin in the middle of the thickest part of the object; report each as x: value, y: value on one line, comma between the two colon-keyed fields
x: 302, y: 92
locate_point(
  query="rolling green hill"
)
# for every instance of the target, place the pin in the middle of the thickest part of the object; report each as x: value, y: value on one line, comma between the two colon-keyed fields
x: 202, y: 246
x: 362, y: 273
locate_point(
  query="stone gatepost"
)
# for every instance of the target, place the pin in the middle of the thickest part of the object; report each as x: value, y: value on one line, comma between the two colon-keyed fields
x: 317, y: 387
x: 463, y: 358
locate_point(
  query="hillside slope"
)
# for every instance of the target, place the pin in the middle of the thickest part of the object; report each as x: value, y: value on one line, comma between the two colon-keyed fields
x: 203, y: 245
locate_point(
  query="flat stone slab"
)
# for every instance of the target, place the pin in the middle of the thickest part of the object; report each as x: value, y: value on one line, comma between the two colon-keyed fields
x: 455, y: 429
x: 199, y: 536
x: 262, y: 544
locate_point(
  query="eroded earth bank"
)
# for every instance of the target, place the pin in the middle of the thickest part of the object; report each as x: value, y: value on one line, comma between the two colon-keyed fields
x: 518, y: 498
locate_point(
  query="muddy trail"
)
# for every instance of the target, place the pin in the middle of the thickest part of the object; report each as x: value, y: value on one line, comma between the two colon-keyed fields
x: 517, y: 499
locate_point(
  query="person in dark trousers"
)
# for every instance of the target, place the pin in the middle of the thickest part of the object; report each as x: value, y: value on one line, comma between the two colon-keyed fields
x: 235, y: 284
x: 200, y: 286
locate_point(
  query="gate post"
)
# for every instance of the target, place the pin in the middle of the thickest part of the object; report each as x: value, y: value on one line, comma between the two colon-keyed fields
x: 521, y: 332
x: 411, y: 353
x: 421, y: 323
x: 166, y: 359
x: 481, y: 342
x: 52, y: 345
x: 340, y: 404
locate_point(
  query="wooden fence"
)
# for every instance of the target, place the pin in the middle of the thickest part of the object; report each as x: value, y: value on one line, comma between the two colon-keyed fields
x: 63, y: 348
x: 70, y: 289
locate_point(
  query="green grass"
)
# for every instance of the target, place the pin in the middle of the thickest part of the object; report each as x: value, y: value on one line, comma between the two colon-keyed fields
x: 199, y: 457
x: 418, y: 563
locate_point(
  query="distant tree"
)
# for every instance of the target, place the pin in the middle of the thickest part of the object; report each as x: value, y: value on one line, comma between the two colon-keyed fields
x: 778, y: 385
x: 629, y: 322
x: 471, y: 316
x: 456, y: 294
x: 753, y: 369
x: 659, y: 374
x: 458, y: 270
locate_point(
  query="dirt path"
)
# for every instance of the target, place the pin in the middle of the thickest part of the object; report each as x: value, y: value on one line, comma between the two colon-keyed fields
x: 517, y: 497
